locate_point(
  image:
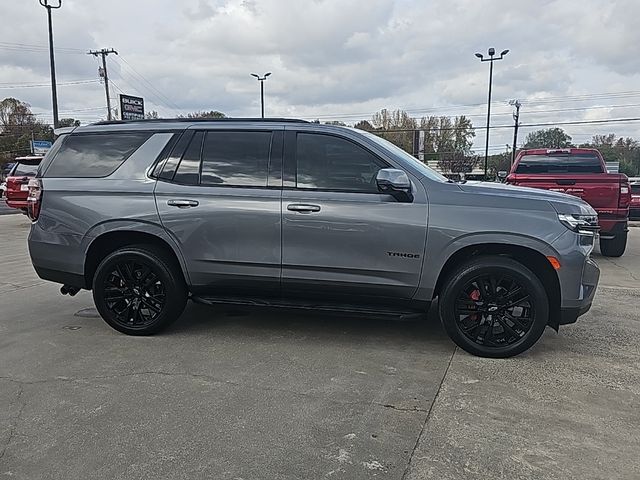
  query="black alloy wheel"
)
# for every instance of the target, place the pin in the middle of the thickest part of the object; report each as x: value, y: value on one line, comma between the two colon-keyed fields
x: 139, y: 290
x: 494, y: 310
x: 494, y: 306
x: 134, y: 294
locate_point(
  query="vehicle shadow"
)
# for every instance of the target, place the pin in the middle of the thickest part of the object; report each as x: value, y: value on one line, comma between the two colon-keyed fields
x: 241, y: 321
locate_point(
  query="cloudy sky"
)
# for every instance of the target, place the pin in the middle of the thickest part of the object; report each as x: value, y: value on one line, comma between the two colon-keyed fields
x: 569, y: 60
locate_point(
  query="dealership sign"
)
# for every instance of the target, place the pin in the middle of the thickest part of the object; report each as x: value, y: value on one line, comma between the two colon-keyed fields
x: 131, y: 108
x: 40, y: 147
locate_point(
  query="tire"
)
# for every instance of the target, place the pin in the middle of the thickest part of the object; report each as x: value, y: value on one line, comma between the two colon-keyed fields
x: 494, y: 324
x: 614, y: 247
x: 139, y: 290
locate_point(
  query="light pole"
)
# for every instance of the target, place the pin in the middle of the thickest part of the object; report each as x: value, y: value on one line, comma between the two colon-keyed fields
x: 261, y: 80
x: 52, y: 62
x: 492, y: 58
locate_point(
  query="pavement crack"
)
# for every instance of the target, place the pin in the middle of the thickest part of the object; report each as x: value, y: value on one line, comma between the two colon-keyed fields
x: 428, y: 416
x: 15, y: 420
x: 402, y: 409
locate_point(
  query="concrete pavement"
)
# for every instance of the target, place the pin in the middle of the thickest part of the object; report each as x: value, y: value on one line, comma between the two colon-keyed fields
x: 239, y: 393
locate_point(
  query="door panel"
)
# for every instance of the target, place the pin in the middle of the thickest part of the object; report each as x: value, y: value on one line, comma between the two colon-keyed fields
x: 348, y: 246
x: 230, y: 235
x: 230, y: 239
x: 361, y: 245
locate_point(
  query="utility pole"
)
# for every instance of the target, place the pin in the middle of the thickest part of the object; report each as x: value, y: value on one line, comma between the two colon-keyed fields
x: 52, y: 61
x: 103, y: 53
x: 516, y: 118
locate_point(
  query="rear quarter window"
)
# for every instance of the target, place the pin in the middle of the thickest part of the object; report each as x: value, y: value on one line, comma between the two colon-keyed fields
x: 25, y: 170
x: 587, y: 163
x: 94, y: 155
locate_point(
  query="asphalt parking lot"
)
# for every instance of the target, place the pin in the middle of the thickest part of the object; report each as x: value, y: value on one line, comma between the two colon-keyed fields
x: 253, y: 394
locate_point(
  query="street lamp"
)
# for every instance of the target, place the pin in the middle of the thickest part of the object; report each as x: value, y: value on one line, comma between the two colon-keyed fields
x: 52, y: 62
x: 492, y: 58
x: 261, y: 80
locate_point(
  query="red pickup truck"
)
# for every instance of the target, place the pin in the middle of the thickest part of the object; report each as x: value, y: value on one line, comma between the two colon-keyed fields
x: 580, y: 172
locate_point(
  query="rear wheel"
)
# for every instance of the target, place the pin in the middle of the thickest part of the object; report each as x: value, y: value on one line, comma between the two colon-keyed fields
x: 615, y: 246
x: 138, y: 290
x: 494, y: 307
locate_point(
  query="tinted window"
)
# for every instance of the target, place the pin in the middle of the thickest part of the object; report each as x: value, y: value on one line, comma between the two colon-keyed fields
x: 169, y: 167
x: 188, y: 171
x: 236, y: 158
x: 332, y: 163
x: 27, y: 169
x: 94, y: 155
x: 588, y: 163
x: 53, y: 151
x: 635, y: 189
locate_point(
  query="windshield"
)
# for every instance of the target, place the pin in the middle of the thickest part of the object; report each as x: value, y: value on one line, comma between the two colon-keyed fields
x: 576, y: 163
x: 423, y: 168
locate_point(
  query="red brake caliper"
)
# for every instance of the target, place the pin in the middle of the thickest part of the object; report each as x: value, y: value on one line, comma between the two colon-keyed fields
x: 475, y: 296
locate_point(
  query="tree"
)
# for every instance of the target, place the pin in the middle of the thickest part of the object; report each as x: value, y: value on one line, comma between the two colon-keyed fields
x: 336, y: 122
x: 625, y: 151
x: 364, y: 125
x: 152, y: 115
x: 548, y: 138
x: 449, y: 143
x: 17, y: 126
x: 68, y: 122
x: 204, y: 114
x: 397, y: 127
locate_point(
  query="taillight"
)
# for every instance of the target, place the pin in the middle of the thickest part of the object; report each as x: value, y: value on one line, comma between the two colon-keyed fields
x: 34, y: 198
x: 625, y: 195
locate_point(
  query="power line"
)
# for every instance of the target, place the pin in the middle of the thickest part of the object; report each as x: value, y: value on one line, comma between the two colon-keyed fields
x: 141, y: 80
x: 27, y: 46
x: 41, y: 85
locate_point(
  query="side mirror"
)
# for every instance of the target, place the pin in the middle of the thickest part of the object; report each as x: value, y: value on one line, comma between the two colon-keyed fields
x: 502, y: 175
x: 396, y: 183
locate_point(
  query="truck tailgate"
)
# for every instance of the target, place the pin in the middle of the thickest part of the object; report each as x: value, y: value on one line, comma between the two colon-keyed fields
x: 598, y: 190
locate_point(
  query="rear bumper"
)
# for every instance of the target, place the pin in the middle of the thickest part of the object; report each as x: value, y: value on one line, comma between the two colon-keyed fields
x: 17, y: 203
x: 612, y: 225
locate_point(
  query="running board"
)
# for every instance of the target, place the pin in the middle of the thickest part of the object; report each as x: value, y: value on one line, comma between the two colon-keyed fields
x: 379, y: 312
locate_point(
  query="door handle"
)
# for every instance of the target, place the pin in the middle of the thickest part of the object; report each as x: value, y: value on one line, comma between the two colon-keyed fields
x: 303, y: 208
x: 182, y: 203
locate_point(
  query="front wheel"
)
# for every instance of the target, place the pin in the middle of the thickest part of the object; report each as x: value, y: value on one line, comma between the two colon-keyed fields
x: 493, y: 306
x: 138, y: 290
x: 614, y: 247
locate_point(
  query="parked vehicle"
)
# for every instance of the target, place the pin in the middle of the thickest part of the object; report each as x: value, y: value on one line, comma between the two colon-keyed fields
x: 17, y: 181
x: 290, y: 213
x: 3, y: 189
x: 580, y: 172
x: 634, y: 206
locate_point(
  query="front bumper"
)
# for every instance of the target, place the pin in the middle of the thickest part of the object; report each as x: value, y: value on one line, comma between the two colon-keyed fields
x: 572, y: 309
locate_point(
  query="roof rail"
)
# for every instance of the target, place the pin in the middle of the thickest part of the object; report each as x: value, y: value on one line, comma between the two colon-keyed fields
x: 196, y: 120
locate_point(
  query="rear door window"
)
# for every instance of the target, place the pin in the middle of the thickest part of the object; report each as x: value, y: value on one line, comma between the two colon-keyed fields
x: 234, y: 158
x: 94, y: 155
x: 577, y: 163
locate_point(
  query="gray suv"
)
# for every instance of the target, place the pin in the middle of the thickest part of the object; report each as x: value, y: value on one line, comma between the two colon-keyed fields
x: 148, y: 214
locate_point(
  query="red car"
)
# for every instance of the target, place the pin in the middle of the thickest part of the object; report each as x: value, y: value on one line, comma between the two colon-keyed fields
x: 581, y: 172
x: 18, y: 180
x: 634, y: 207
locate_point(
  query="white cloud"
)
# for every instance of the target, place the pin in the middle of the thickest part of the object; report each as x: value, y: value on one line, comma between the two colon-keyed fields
x: 335, y: 58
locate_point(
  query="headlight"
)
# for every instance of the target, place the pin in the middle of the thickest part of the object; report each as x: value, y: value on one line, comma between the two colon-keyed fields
x: 582, y: 224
